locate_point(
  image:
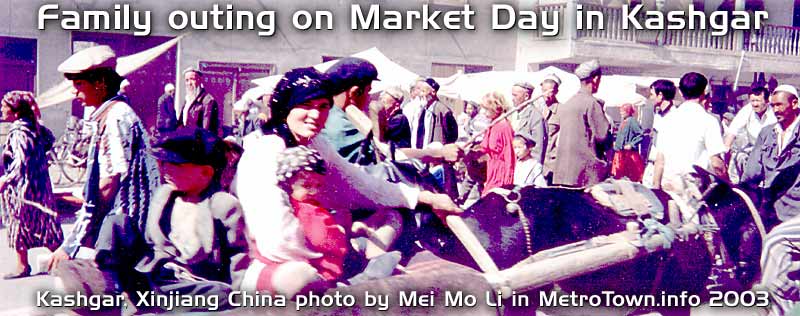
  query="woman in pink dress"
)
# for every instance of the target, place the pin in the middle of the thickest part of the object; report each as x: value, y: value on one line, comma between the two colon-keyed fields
x: 497, y: 144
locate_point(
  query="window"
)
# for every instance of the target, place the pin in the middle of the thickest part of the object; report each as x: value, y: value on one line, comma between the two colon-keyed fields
x: 447, y: 70
x: 17, y: 57
x: 227, y: 82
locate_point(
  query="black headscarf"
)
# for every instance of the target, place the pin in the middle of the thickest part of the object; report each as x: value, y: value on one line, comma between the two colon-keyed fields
x: 297, y: 86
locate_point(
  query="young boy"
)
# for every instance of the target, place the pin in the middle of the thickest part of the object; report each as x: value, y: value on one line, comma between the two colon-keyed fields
x: 527, y: 171
x: 194, y: 237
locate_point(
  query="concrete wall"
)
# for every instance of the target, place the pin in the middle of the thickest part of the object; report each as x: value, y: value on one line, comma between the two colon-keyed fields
x: 781, y: 12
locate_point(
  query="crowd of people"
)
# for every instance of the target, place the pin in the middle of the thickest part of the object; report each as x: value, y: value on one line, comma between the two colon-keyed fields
x: 312, y: 190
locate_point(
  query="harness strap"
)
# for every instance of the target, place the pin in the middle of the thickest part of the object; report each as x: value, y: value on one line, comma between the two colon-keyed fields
x: 754, y: 213
x: 512, y: 197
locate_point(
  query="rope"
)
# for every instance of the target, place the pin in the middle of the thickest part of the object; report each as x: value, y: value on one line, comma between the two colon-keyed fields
x: 526, y: 228
x: 653, y: 227
x: 513, y: 207
x: 753, y: 212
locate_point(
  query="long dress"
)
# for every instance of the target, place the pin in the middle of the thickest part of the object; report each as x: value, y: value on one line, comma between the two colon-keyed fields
x: 500, y: 166
x: 24, y: 157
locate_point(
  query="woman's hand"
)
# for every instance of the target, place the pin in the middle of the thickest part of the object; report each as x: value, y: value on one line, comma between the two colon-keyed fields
x: 441, y: 204
x: 628, y: 147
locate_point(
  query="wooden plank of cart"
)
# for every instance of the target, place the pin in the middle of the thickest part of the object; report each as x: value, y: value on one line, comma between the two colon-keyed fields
x: 564, y: 262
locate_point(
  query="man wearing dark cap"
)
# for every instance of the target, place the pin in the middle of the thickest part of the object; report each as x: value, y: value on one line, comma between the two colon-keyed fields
x: 200, y: 108
x: 435, y: 124
x: 582, y: 139
x: 435, y: 121
x: 348, y: 125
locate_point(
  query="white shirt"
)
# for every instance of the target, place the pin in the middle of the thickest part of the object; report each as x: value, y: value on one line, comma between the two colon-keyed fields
x: 411, y: 110
x: 658, y: 122
x: 528, y: 172
x: 688, y: 136
x: 747, y: 119
x: 185, y: 110
x: 783, y: 138
x: 421, y: 108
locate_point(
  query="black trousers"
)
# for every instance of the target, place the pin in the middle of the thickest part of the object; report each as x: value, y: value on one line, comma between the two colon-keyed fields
x: 119, y: 247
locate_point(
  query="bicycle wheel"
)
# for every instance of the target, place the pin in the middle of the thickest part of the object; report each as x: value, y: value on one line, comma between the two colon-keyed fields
x: 57, y: 172
x: 74, y: 168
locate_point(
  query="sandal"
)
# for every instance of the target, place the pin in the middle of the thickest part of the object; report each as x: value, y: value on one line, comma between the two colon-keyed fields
x: 22, y: 274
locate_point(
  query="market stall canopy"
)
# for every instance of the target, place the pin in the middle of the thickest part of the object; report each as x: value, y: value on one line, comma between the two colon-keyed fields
x: 125, y: 65
x: 611, y: 85
x: 474, y: 86
x: 389, y: 72
x: 615, y: 90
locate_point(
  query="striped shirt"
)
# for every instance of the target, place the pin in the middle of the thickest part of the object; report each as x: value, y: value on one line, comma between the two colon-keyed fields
x: 780, y: 266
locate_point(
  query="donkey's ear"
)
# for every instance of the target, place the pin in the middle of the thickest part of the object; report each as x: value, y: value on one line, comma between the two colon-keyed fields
x: 704, y: 176
x: 708, y: 177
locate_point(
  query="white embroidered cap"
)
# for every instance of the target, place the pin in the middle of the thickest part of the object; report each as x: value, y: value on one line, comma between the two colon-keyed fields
x: 787, y: 88
x: 95, y: 57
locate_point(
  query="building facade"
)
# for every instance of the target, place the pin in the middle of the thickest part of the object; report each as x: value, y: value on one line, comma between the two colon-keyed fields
x: 233, y: 58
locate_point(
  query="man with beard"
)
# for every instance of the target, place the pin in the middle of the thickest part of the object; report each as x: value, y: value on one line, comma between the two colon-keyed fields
x: 200, y: 108
x: 772, y: 170
x: 435, y: 121
x: 772, y: 167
